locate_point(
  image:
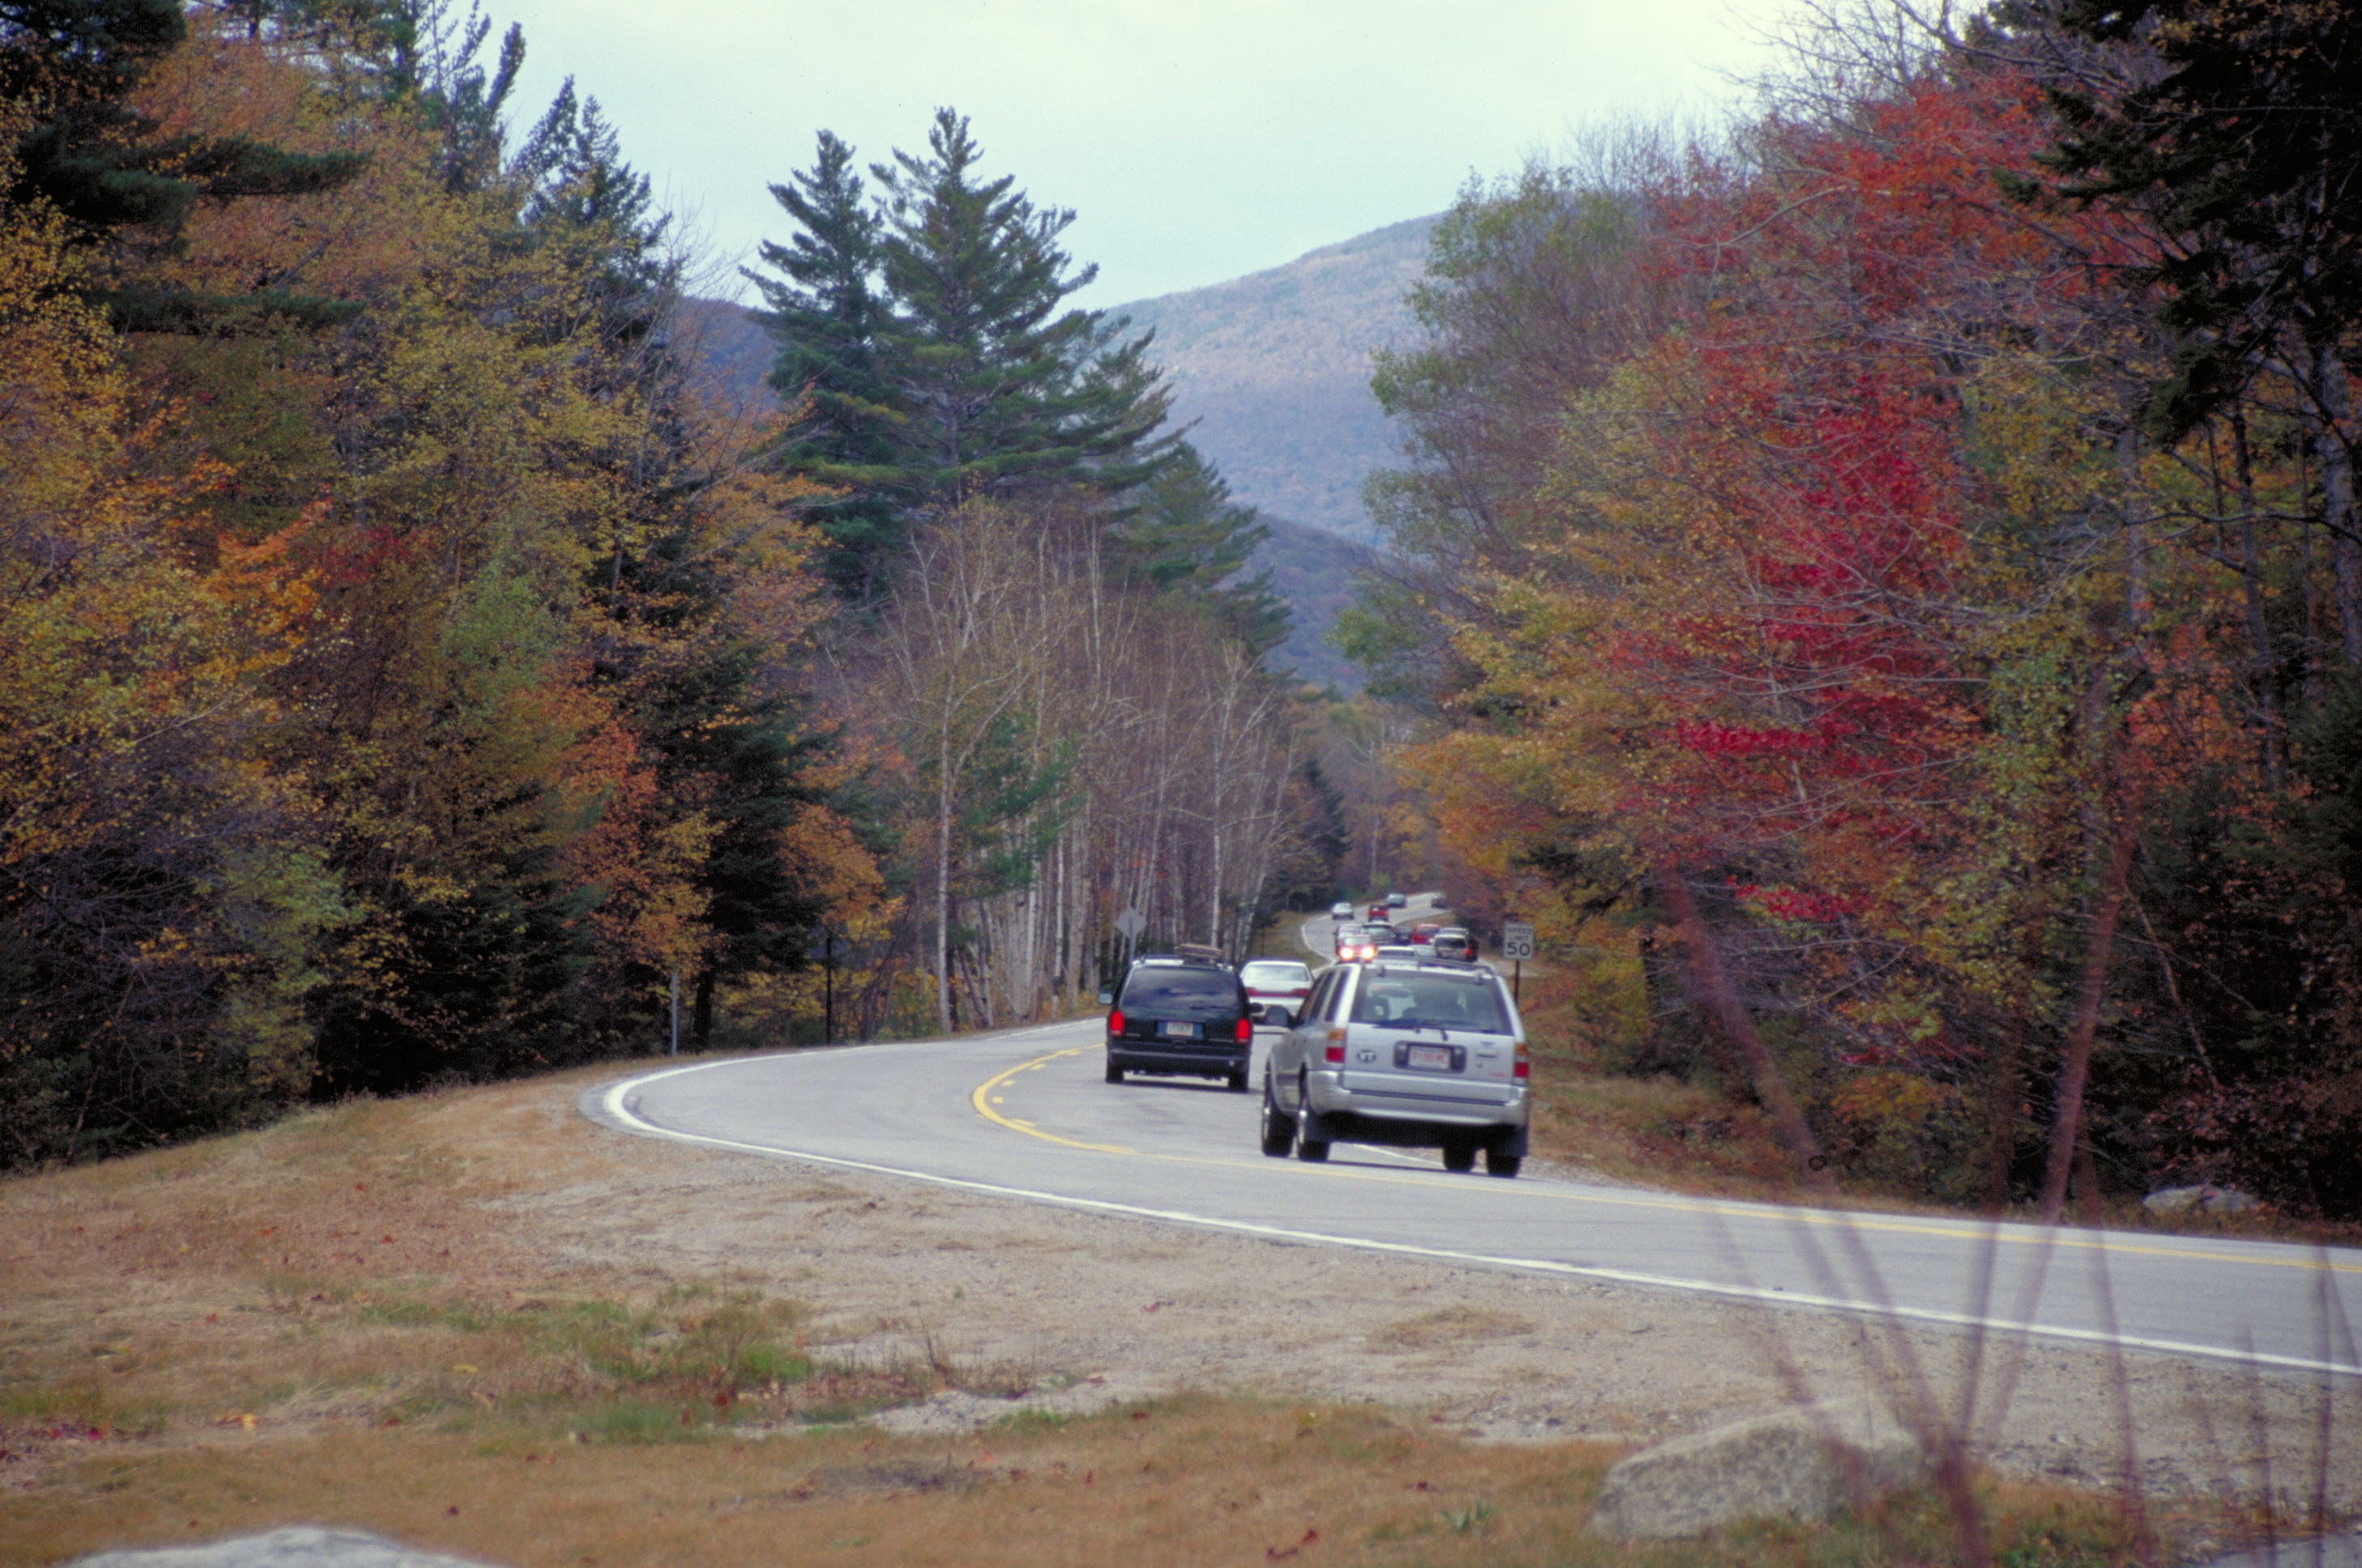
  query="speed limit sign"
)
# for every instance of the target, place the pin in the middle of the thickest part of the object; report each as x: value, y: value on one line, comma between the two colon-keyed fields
x: 1516, y: 939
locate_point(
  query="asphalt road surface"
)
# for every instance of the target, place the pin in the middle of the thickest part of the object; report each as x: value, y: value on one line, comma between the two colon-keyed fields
x: 1027, y: 1116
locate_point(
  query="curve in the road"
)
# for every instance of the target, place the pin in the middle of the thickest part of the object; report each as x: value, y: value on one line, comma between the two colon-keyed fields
x: 618, y: 1106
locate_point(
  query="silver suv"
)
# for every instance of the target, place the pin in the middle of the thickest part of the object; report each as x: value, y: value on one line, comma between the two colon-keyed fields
x: 1418, y: 1053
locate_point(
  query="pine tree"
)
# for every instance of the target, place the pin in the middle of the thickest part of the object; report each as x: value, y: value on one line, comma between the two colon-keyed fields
x: 1185, y: 538
x: 1002, y: 390
x: 825, y: 316
x: 94, y: 158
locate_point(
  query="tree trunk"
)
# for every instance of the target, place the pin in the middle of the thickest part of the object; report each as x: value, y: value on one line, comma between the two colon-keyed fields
x: 2338, y: 510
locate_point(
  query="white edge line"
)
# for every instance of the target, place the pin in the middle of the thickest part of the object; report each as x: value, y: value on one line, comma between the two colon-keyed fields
x: 612, y: 1102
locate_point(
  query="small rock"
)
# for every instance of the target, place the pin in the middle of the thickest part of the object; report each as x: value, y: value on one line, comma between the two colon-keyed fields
x: 1792, y: 1465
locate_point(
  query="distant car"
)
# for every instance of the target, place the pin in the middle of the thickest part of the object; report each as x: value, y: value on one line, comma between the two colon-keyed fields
x: 1453, y: 942
x: 1413, y: 1053
x: 1396, y: 901
x: 1355, y: 942
x: 1276, y: 988
x: 1181, y: 1018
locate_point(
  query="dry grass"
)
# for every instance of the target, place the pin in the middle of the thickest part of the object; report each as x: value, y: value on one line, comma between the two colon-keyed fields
x: 350, y: 1320
x: 1188, y: 1481
x: 1450, y: 1326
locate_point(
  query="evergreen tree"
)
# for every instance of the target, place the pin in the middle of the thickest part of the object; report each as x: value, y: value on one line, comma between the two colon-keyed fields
x: 579, y: 192
x: 1002, y: 390
x: 825, y: 314
x: 929, y: 329
x: 1184, y: 538
x: 432, y: 64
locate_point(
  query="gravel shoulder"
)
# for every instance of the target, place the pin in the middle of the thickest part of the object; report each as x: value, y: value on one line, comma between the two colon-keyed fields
x: 1079, y: 1311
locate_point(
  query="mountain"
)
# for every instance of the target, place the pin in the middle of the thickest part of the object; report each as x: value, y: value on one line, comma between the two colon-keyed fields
x: 731, y: 354
x: 1272, y: 371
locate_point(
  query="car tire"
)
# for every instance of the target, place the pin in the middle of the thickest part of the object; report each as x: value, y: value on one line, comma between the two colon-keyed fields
x: 1313, y: 1150
x: 1114, y: 1073
x: 1279, y: 1128
x: 1502, y: 1166
x: 1461, y: 1157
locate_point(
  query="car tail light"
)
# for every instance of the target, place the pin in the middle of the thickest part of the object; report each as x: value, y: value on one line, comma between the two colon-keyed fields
x: 1524, y: 1066
x: 1115, y: 1021
x: 1334, y: 1053
x: 1246, y: 1031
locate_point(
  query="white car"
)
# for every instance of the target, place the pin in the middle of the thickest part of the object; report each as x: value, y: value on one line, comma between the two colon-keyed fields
x: 1416, y: 1052
x: 1275, y: 987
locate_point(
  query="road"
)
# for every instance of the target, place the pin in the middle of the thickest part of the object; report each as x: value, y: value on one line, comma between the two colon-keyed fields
x: 1025, y: 1115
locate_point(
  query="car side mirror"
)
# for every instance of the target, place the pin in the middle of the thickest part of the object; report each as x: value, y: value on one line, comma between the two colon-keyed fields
x: 1107, y: 999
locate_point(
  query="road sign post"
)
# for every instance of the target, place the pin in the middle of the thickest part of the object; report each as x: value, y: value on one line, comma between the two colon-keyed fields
x: 1130, y: 923
x: 1516, y: 946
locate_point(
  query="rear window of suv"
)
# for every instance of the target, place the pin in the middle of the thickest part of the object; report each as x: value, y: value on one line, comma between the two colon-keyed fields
x: 1433, y: 1002
x: 1181, y: 993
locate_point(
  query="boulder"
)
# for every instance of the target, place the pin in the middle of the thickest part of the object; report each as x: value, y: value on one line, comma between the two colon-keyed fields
x: 298, y: 1546
x: 2210, y: 1198
x: 1801, y: 1465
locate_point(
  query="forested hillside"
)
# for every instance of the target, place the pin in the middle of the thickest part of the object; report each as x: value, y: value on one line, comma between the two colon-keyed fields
x: 1887, y: 590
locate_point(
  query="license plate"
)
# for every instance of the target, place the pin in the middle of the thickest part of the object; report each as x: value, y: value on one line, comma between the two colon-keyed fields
x: 1180, y: 1031
x: 1432, y: 1058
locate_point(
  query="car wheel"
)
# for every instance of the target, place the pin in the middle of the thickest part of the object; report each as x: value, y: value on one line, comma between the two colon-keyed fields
x: 1114, y: 1073
x: 1460, y: 1157
x: 1278, y: 1129
x: 1502, y: 1165
x: 1313, y: 1148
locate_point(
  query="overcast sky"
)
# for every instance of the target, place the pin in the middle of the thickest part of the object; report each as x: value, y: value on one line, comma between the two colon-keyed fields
x: 1197, y: 141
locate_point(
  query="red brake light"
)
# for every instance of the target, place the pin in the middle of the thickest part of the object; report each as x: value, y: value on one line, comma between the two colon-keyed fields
x: 1115, y: 1021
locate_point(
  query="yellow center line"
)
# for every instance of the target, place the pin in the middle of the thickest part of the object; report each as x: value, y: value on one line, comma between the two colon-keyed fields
x: 1001, y: 1080
x: 1953, y: 1230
